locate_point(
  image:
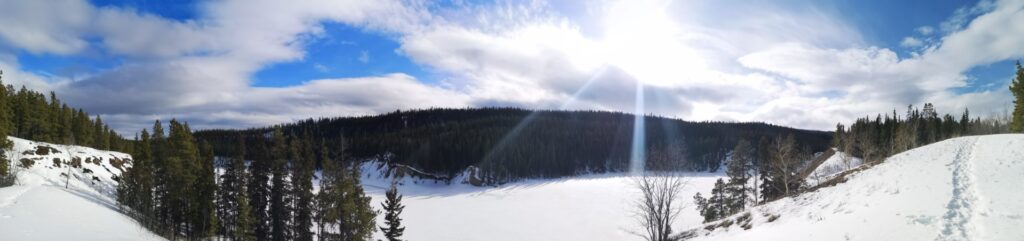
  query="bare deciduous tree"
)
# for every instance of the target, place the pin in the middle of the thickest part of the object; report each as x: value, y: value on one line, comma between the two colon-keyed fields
x: 659, y: 204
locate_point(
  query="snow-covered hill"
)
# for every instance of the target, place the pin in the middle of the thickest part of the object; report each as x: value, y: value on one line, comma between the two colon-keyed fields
x: 39, y: 207
x: 965, y: 188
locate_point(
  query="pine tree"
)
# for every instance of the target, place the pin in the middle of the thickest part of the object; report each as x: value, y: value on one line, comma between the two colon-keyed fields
x: 392, y: 214
x: 206, y: 193
x: 738, y: 170
x: 259, y: 192
x: 716, y: 206
x: 100, y: 140
x: 280, y: 190
x: 6, y: 123
x: 1017, y: 89
x: 302, y: 181
x: 182, y: 166
x: 345, y: 211
x: 232, y: 187
x: 358, y: 215
x: 135, y: 191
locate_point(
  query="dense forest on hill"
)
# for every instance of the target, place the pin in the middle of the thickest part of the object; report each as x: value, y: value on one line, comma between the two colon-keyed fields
x: 509, y: 143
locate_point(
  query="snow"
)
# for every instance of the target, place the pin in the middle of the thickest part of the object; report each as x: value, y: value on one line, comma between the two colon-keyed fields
x: 590, y: 207
x: 965, y: 188
x: 39, y: 207
x: 838, y: 162
x: 42, y: 212
x: 959, y: 189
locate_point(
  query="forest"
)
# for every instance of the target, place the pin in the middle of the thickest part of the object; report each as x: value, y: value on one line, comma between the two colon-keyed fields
x: 264, y: 192
x: 508, y: 144
x: 32, y: 115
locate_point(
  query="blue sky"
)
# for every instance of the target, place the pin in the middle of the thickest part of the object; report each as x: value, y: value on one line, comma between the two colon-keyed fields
x: 221, y: 64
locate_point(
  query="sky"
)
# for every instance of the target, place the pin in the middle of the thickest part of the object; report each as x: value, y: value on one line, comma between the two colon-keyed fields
x: 246, y: 63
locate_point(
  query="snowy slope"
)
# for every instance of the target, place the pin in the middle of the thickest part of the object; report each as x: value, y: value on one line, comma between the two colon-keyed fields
x: 590, y: 207
x: 836, y: 163
x: 39, y: 207
x: 966, y: 188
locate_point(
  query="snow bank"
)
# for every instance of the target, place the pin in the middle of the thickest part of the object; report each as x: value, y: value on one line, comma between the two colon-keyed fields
x: 960, y: 189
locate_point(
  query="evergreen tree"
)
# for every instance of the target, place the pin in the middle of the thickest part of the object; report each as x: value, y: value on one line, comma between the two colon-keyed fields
x: 302, y: 181
x: 5, y: 128
x: 100, y: 140
x: 232, y: 195
x: 1017, y: 89
x: 716, y: 206
x: 259, y: 192
x: 280, y: 190
x: 345, y: 211
x: 182, y: 168
x: 203, y: 198
x: 392, y: 207
x: 135, y: 190
x: 738, y: 170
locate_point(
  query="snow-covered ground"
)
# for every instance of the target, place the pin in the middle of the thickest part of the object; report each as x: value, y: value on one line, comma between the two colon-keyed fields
x: 960, y: 189
x: 591, y: 207
x: 39, y: 207
x: 838, y: 162
x: 966, y: 188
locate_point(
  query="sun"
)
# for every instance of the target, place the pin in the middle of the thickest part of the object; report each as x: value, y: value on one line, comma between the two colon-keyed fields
x: 641, y: 39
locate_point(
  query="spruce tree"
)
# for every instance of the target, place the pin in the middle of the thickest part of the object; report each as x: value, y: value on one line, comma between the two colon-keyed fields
x: 182, y: 166
x: 738, y: 170
x: 359, y: 216
x: 302, y: 181
x: 392, y: 214
x: 206, y: 193
x: 5, y: 128
x: 259, y: 191
x: 100, y: 140
x: 232, y: 184
x: 345, y: 210
x: 1017, y: 89
x: 135, y: 190
x: 280, y: 190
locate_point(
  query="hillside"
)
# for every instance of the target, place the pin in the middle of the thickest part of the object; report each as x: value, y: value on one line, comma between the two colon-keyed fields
x: 965, y: 188
x: 39, y: 207
x: 509, y: 144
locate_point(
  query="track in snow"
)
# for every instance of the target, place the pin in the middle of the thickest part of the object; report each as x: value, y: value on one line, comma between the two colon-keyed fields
x: 961, y: 209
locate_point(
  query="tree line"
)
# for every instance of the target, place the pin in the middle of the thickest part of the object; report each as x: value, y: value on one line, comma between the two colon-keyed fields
x: 874, y: 139
x: 508, y: 144
x: 264, y: 192
x: 32, y: 115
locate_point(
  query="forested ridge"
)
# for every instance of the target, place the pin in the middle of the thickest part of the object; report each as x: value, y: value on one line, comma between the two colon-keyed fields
x: 509, y: 143
x: 35, y: 116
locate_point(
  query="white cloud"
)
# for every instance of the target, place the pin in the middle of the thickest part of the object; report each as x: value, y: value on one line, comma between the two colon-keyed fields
x: 797, y: 66
x: 364, y: 57
x: 46, y: 27
x: 925, y: 30
x: 320, y: 67
x: 911, y: 42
